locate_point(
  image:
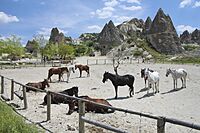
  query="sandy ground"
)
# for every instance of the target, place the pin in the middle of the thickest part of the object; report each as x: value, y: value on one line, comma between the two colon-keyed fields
x: 182, y: 104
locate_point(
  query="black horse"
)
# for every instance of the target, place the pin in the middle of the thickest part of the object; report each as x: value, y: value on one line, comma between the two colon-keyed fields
x: 118, y: 80
x: 57, y: 99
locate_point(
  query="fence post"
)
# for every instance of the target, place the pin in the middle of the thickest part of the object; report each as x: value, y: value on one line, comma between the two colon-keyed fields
x: 81, y: 106
x: 12, y: 89
x: 104, y: 61
x: 2, y: 84
x: 48, y: 106
x: 161, y: 125
x: 25, y: 99
x: 87, y: 62
x: 96, y: 61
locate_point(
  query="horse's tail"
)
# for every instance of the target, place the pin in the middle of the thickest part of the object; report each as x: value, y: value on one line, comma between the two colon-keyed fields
x: 186, y: 74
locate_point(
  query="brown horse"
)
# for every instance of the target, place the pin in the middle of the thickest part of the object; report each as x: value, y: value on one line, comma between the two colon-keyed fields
x: 83, y: 68
x: 89, y: 107
x: 40, y: 85
x: 59, y: 71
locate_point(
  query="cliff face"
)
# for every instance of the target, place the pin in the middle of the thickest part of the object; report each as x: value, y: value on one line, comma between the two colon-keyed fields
x: 58, y: 37
x: 189, y: 38
x: 109, y: 37
x: 162, y: 35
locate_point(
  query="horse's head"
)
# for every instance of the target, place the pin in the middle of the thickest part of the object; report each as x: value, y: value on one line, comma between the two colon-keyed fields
x: 75, y: 90
x: 72, y: 68
x: 168, y: 72
x: 46, y: 82
x: 76, y: 66
x: 105, y: 77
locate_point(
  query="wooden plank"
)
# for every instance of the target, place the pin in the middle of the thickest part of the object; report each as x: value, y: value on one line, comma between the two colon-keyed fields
x: 12, y: 89
x: 25, y: 98
x: 81, y: 106
x: 48, y: 106
x: 161, y: 125
x: 2, y: 84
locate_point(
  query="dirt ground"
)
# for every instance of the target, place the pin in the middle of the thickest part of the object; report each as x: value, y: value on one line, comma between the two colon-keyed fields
x: 182, y: 104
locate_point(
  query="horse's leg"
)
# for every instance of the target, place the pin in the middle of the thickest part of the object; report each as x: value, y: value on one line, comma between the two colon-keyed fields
x: 174, y: 83
x: 116, y: 88
x: 80, y: 72
x: 145, y: 81
x: 185, y: 81
x: 148, y: 87
x: 182, y: 83
x: 158, y: 86
x: 88, y: 73
x: 68, y: 75
x: 131, y: 91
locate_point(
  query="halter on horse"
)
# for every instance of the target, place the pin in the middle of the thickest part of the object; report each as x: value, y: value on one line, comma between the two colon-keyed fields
x: 120, y: 81
x: 143, y: 71
x: 176, y: 74
x: 153, y: 80
x: 59, y: 71
x: 83, y: 68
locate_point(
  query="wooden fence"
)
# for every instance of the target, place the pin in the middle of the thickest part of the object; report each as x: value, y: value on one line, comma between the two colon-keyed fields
x: 161, y: 121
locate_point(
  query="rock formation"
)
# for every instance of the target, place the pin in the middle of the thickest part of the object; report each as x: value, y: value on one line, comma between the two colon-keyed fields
x: 32, y: 47
x: 58, y: 37
x: 190, y: 38
x: 109, y: 37
x: 162, y: 35
x: 147, y: 25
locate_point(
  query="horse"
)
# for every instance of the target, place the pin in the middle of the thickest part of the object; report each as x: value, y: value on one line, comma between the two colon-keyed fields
x: 83, y: 68
x: 59, y: 71
x: 118, y: 80
x: 89, y: 107
x: 143, y: 71
x: 176, y: 74
x: 153, y: 80
x: 56, y: 98
x: 40, y: 85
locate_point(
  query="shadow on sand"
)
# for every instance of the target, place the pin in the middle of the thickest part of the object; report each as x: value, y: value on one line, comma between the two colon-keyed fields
x: 146, y: 95
x: 142, y: 90
x: 174, y: 90
x: 118, y: 98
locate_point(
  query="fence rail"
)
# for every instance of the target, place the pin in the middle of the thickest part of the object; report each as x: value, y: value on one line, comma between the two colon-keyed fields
x: 161, y: 121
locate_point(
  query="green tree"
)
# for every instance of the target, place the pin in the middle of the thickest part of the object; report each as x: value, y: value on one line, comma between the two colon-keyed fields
x: 51, y: 50
x: 80, y: 50
x: 65, y: 50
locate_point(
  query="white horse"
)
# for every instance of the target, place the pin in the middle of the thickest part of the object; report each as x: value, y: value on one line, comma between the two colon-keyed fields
x: 176, y: 74
x: 153, y: 80
x: 143, y: 71
x: 71, y: 68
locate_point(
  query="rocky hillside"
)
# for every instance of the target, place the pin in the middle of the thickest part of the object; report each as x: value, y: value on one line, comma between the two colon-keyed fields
x: 109, y: 37
x: 190, y: 38
x: 58, y: 37
x: 160, y: 34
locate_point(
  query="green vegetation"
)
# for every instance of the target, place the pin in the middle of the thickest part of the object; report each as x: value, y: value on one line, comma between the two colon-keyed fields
x: 188, y: 60
x: 10, y: 122
x: 12, y: 47
x: 190, y: 47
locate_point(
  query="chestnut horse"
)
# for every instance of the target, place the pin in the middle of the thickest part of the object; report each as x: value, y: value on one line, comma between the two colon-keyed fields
x: 40, y: 85
x: 89, y: 107
x: 83, y: 68
x: 59, y: 71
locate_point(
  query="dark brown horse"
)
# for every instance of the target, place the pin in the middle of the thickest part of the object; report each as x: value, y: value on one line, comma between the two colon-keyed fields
x: 40, y: 85
x: 83, y: 68
x: 59, y: 71
x: 89, y: 107
x: 57, y: 99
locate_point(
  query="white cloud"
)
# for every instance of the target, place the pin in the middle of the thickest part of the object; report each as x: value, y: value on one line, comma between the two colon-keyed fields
x: 196, y: 4
x: 47, y: 31
x: 131, y: 8
x: 120, y: 19
x: 185, y: 3
x: 103, y: 13
x: 111, y: 3
x: 132, y: 1
x: 5, y: 18
x: 42, y: 3
x: 182, y: 28
x: 94, y: 28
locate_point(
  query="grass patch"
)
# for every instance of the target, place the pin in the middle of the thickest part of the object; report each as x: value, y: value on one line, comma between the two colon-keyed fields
x: 10, y: 122
x: 186, y: 60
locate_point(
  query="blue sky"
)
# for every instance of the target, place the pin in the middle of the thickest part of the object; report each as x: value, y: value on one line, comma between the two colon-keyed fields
x: 26, y: 18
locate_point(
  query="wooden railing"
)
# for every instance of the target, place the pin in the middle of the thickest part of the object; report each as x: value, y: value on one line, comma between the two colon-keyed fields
x: 161, y: 121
